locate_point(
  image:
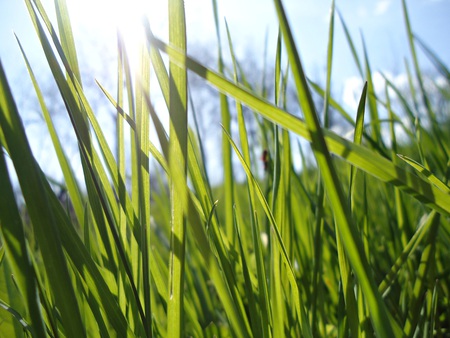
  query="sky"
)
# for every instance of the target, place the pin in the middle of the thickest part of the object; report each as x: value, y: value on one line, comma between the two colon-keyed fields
x: 380, y: 22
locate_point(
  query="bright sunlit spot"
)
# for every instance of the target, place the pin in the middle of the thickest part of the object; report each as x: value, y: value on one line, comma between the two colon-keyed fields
x: 129, y: 16
x: 104, y: 18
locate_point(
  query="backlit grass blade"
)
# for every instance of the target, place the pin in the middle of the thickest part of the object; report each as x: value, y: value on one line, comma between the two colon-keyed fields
x: 101, y: 196
x: 69, y: 177
x: 41, y: 214
x: 344, y: 265
x: 142, y: 146
x: 424, y: 172
x: 66, y: 36
x: 178, y: 168
x: 263, y: 296
x: 321, y: 198
x: 350, y: 238
x: 226, y: 148
x: 226, y: 289
x: 14, y: 241
x: 362, y: 157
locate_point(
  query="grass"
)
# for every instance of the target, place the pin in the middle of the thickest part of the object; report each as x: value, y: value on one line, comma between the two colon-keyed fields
x: 354, y: 244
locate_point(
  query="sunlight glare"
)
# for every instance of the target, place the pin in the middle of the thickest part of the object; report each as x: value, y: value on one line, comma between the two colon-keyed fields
x: 103, y: 18
x: 128, y: 19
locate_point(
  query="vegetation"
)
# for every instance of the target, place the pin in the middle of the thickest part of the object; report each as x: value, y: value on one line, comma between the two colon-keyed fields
x: 352, y: 245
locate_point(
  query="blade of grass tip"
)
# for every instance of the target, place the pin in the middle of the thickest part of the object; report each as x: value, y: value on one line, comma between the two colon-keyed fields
x: 349, y: 235
x: 178, y: 169
x: 346, y: 277
x: 372, y: 98
x: 326, y: 107
x: 42, y: 217
x: 228, y: 181
x: 13, y: 238
x: 362, y: 157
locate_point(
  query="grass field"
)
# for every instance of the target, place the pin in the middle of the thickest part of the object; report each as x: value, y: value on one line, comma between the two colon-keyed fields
x: 354, y: 244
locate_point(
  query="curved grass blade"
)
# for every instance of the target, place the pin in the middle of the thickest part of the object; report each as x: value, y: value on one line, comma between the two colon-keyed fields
x: 360, y: 156
x: 73, y: 188
x: 424, y: 172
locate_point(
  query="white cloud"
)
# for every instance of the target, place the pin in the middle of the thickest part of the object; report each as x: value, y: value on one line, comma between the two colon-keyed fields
x: 382, y: 6
x: 352, y: 92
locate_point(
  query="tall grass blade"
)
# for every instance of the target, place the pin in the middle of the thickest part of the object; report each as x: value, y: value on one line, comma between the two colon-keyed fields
x: 14, y: 241
x: 228, y: 181
x: 178, y: 168
x: 41, y: 214
x: 350, y: 238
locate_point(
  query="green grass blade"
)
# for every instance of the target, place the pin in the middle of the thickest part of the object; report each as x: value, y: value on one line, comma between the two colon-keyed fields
x: 66, y: 36
x: 178, y: 167
x: 73, y: 188
x: 46, y: 228
x: 143, y: 142
x: 350, y: 238
x: 351, y: 44
x: 372, y: 100
x: 362, y: 157
x: 425, y: 173
x: 226, y: 148
x: 14, y: 241
x: 304, y: 325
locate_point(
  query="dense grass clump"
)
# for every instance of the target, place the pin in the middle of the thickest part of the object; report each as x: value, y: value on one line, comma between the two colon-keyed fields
x: 354, y: 244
